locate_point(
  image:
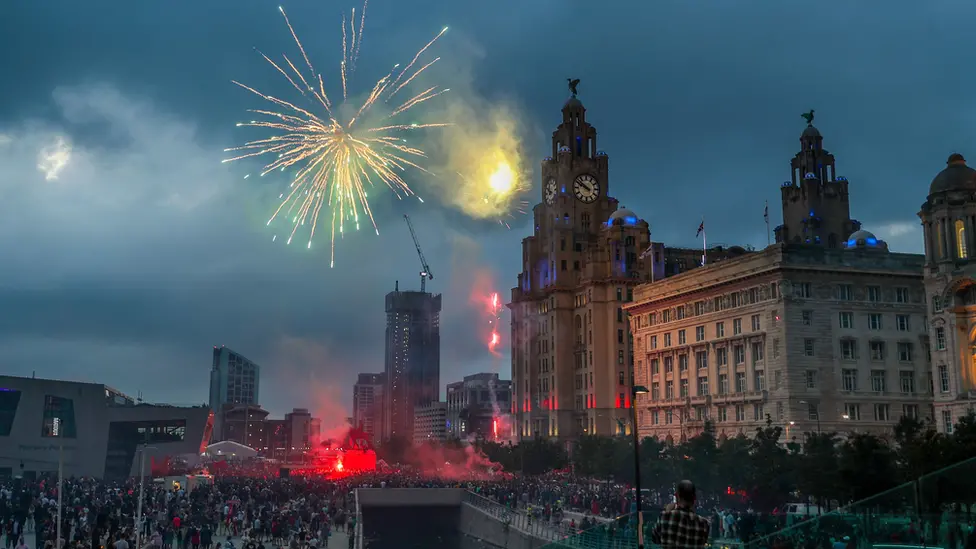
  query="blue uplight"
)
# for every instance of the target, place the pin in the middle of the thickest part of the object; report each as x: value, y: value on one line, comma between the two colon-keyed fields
x: 872, y: 241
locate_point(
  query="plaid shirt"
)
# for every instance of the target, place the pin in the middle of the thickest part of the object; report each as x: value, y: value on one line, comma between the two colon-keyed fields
x: 681, y: 528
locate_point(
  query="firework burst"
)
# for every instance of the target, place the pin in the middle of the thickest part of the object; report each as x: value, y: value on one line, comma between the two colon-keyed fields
x: 338, y: 151
x: 498, y: 193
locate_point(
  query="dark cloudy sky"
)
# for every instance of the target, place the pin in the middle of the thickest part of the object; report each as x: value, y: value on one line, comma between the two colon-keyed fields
x: 126, y: 264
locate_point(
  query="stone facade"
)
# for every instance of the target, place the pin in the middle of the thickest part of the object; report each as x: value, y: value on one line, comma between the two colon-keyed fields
x: 571, y: 349
x: 813, y: 338
x: 949, y: 221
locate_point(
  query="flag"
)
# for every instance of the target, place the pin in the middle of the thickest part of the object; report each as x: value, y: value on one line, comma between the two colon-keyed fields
x: 701, y: 229
x: 766, y: 212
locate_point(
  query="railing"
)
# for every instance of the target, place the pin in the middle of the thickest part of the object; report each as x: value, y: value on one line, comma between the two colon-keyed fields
x: 518, y: 519
x: 357, y: 532
x: 928, y: 512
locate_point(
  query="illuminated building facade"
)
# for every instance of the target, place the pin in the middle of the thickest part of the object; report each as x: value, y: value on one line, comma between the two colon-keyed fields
x: 413, y: 358
x: 367, y: 404
x: 233, y: 379
x: 949, y: 221
x: 571, y: 347
x: 823, y: 331
x: 430, y: 423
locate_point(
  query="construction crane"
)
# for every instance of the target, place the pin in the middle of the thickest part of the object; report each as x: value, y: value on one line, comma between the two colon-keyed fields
x: 425, y: 274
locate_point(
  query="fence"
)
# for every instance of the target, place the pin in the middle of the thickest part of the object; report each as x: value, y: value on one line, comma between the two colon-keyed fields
x: 931, y: 511
x: 515, y: 518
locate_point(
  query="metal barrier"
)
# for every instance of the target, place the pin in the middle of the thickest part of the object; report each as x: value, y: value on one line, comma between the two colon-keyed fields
x: 358, y: 530
x: 518, y: 519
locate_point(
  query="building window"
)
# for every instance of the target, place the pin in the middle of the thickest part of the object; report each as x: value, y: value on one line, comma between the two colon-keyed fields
x: 721, y: 356
x: 682, y: 363
x: 699, y: 333
x: 668, y: 390
x: 936, y: 304
x: 940, y: 339
x: 943, y: 378
x: 667, y: 340
x: 878, y: 382
x: 683, y: 388
x: 808, y: 349
x: 845, y: 292
x: 848, y: 349
x: 740, y: 412
x: 813, y: 412
x: 905, y: 352
x: 874, y: 293
x: 699, y: 308
x: 740, y: 382
x: 655, y: 366
x: 874, y: 321
x: 655, y: 391
x: 852, y: 412
x: 653, y: 342
x: 755, y: 323
x: 807, y: 317
x: 947, y: 421
x: 881, y: 412
x: 9, y: 399
x: 620, y: 336
x: 757, y: 352
x: 719, y: 329
x: 811, y: 376
x: 620, y: 357
x: 723, y: 384
x: 682, y: 338
x: 701, y: 360
x: 961, y: 251
x: 736, y: 326
x: 739, y: 353
x: 846, y: 320
x: 757, y: 412
x: 902, y: 323
x: 910, y: 411
x: 62, y: 409
x: 849, y: 378
x: 760, y: 380
x: 802, y: 290
x: 703, y: 386
x: 901, y: 295
x: 721, y: 414
x: 620, y: 378
x: 877, y: 351
x: 907, y: 382
x: 668, y: 364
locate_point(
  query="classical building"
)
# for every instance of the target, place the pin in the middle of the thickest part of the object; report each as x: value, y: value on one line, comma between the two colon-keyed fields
x: 571, y: 348
x: 949, y: 221
x: 93, y: 429
x: 413, y: 358
x: 825, y: 333
x: 367, y: 404
x: 477, y: 406
x: 430, y: 423
x: 679, y: 260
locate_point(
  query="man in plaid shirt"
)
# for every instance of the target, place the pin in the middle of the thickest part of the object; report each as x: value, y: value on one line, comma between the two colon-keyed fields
x: 679, y: 526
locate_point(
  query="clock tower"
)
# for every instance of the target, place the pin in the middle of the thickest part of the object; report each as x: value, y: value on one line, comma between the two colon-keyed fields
x: 571, y: 350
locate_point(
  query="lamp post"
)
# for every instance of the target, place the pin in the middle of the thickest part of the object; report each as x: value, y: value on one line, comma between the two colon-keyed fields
x: 142, y: 481
x: 56, y: 428
x: 818, y: 413
x: 638, y: 390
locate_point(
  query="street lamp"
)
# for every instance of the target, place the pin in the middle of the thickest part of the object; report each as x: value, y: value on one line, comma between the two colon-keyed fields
x: 818, y: 413
x: 56, y: 431
x: 142, y: 481
x: 638, y: 390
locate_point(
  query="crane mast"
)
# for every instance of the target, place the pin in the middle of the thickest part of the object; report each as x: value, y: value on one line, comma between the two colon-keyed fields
x: 425, y: 273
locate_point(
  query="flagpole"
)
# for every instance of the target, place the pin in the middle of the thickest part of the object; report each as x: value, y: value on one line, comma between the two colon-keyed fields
x: 704, y: 242
x: 766, y: 215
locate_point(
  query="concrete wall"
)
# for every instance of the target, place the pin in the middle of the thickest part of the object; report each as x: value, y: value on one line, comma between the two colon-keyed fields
x: 409, y: 497
x: 481, y: 525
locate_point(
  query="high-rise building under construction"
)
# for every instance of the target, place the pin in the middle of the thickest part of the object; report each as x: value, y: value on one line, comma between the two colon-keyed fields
x: 413, y: 357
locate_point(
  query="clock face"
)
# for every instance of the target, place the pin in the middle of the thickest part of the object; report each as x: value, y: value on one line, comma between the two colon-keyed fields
x: 550, y: 191
x: 586, y: 188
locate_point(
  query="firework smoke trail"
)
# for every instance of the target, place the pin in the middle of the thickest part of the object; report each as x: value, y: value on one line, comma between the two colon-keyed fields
x: 494, y: 340
x: 336, y: 161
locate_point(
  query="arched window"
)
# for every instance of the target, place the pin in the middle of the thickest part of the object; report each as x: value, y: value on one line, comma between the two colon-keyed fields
x: 962, y: 252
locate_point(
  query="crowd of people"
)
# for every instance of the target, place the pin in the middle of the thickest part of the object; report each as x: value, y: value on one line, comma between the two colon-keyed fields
x: 265, y: 512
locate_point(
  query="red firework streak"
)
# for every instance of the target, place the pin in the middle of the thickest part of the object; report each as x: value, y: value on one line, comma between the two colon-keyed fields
x: 494, y: 310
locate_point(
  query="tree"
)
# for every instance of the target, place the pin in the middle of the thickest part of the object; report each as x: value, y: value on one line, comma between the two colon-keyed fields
x: 867, y: 468
x: 817, y: 473
x: 697, y: 460
x: 770, y: 472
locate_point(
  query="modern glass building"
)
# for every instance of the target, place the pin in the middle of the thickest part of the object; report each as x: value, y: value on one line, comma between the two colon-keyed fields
x: 233, y: 379
x: 96, y: 430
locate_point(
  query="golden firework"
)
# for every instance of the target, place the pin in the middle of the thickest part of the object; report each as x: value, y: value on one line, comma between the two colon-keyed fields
x: 338, y: 158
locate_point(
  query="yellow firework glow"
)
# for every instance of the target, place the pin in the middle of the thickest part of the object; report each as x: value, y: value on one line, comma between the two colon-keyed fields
x: 337, y: 159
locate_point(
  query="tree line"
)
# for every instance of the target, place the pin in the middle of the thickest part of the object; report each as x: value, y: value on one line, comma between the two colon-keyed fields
x: 763, y: 471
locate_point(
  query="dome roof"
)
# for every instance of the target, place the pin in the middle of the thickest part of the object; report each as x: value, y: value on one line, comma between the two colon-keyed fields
x: 573, y: 102
x: 956, y: 176
x: 861, y: 234
x: 862, y: 239
x: 810, y: 131
x: 625, y: 215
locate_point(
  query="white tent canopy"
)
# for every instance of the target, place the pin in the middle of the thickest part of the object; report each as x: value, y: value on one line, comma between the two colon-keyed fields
x: 230, y: 449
